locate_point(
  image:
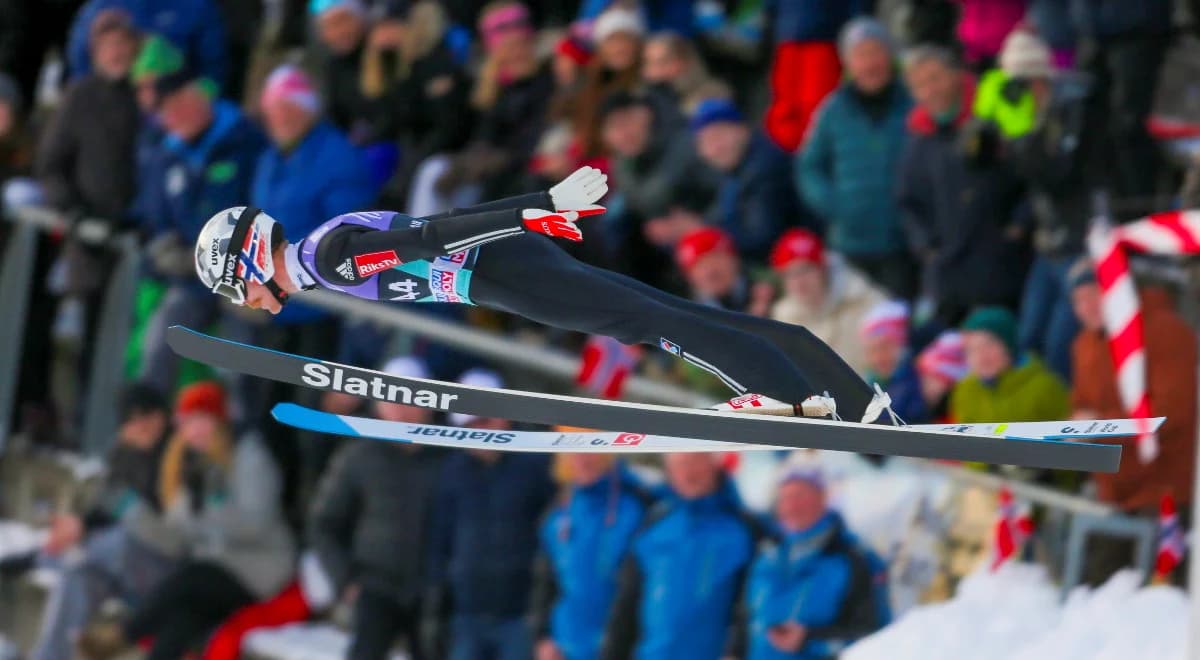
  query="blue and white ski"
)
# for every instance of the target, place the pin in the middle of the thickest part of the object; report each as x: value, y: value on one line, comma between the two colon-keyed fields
x: 301, y: 417
x: 626, y: 417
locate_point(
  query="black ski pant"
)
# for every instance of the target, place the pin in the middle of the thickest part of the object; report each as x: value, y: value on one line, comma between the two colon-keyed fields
x: 185, y: 607
x: 530, y: 276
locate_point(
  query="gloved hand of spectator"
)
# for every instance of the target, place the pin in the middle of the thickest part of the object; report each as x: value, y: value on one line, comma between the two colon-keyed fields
x: 583, y: 187
x: 170, y: 256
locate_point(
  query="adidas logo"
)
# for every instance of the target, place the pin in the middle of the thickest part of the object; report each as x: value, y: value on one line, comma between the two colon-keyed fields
x: 346, y: 270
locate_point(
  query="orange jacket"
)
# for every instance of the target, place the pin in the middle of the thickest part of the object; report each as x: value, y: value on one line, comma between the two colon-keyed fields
x: 1171, y: 381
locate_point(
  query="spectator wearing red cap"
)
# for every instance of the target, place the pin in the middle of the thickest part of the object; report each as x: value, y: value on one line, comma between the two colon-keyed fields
x: 223, y: 497
x: 709, y: 261
x: 822, y: 293
x: 940, y: 366
x: 884, y: 337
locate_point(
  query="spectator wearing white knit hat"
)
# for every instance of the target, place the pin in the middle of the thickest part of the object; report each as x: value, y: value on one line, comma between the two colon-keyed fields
x: 1057, y: 157
x: 617, y: 34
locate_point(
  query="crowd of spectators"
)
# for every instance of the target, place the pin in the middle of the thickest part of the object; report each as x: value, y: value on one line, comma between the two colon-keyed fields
x: 911, y: 180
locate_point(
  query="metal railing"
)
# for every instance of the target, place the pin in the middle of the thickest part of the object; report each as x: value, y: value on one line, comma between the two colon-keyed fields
x: 557, y: 364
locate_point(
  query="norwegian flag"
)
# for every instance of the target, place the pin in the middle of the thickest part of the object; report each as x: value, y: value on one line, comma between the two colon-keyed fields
x: 606, y: 364
x: 1171, y: 543
x: 1012, y: 529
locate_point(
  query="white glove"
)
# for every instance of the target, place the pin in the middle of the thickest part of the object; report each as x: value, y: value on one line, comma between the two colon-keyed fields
x: 583, y: 187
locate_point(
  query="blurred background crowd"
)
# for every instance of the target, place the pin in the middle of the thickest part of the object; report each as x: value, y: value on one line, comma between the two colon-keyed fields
x: 912, y: 180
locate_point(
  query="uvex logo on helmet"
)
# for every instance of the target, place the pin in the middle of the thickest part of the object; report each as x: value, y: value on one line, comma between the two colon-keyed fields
x: 214, y: 252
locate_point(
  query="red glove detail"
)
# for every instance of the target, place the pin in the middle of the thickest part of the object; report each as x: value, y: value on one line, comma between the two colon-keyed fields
x: 559, y: 224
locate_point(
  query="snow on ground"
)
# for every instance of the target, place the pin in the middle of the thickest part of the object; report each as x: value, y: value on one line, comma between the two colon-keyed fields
x: 301, y: 641
x: 1014, y: 614
x: 18, y: 538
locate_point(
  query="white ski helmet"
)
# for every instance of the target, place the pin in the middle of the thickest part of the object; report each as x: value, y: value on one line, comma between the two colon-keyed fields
x: 225, y: 271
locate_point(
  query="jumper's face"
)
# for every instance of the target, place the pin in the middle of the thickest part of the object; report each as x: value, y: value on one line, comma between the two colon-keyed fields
x: 935, y: 86
x: 113, y: 52
x: 259, y: 296
x: 800, y: 505
x: 869, y: 64
x: 714, y: 275
x: 619, y: 52
x: 341, y: 30
x: 987, y: 356
x: 882, y: 354
x: 1086, y: 301
x: 660, y: 64
x: 722, y: 144
x: 627, y: 131
x: 587, y: 469
x: 806, y: 282
x: 693, y: 475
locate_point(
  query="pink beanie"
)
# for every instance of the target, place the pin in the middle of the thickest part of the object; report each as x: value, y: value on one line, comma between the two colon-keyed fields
x: 502, y: 20
x: 289, y: 83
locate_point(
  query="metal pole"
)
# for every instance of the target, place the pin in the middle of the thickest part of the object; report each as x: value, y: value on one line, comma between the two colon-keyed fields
x: 16, y: 279
x: 112, y: 334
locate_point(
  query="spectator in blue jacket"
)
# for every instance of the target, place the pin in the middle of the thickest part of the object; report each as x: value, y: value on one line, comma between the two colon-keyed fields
x: 203, y: 165
x: 847, y: 166
x: 756, y: 199
x: 686, y: 570
x: 483, y: 545
x: 812, y: 589
x: 311, y: 172
x: 193, y: 26
x: 585, y: 539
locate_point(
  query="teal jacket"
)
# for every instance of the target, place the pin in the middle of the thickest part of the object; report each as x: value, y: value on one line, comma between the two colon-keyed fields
x: 846, y: 171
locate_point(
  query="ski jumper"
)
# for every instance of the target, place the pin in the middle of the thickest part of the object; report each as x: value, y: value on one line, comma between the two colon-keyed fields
x: 457, y: 257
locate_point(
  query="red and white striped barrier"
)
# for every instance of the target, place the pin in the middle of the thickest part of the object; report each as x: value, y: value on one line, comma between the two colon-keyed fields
x: 1170, y: 233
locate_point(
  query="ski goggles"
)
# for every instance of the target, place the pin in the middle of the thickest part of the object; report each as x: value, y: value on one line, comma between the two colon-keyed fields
x: 239, y: 261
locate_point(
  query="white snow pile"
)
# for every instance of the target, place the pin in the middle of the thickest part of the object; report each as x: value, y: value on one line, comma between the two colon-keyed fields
x: 301, y: 641
x: 17, y: 538
x: 1014, y: 614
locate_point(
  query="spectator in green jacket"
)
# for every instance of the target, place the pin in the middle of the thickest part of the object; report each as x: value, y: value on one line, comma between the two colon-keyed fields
x: 1002, y: 384
x: 847, y: 167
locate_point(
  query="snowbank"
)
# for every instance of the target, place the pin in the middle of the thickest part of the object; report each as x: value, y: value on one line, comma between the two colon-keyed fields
x: 1014, y: 614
